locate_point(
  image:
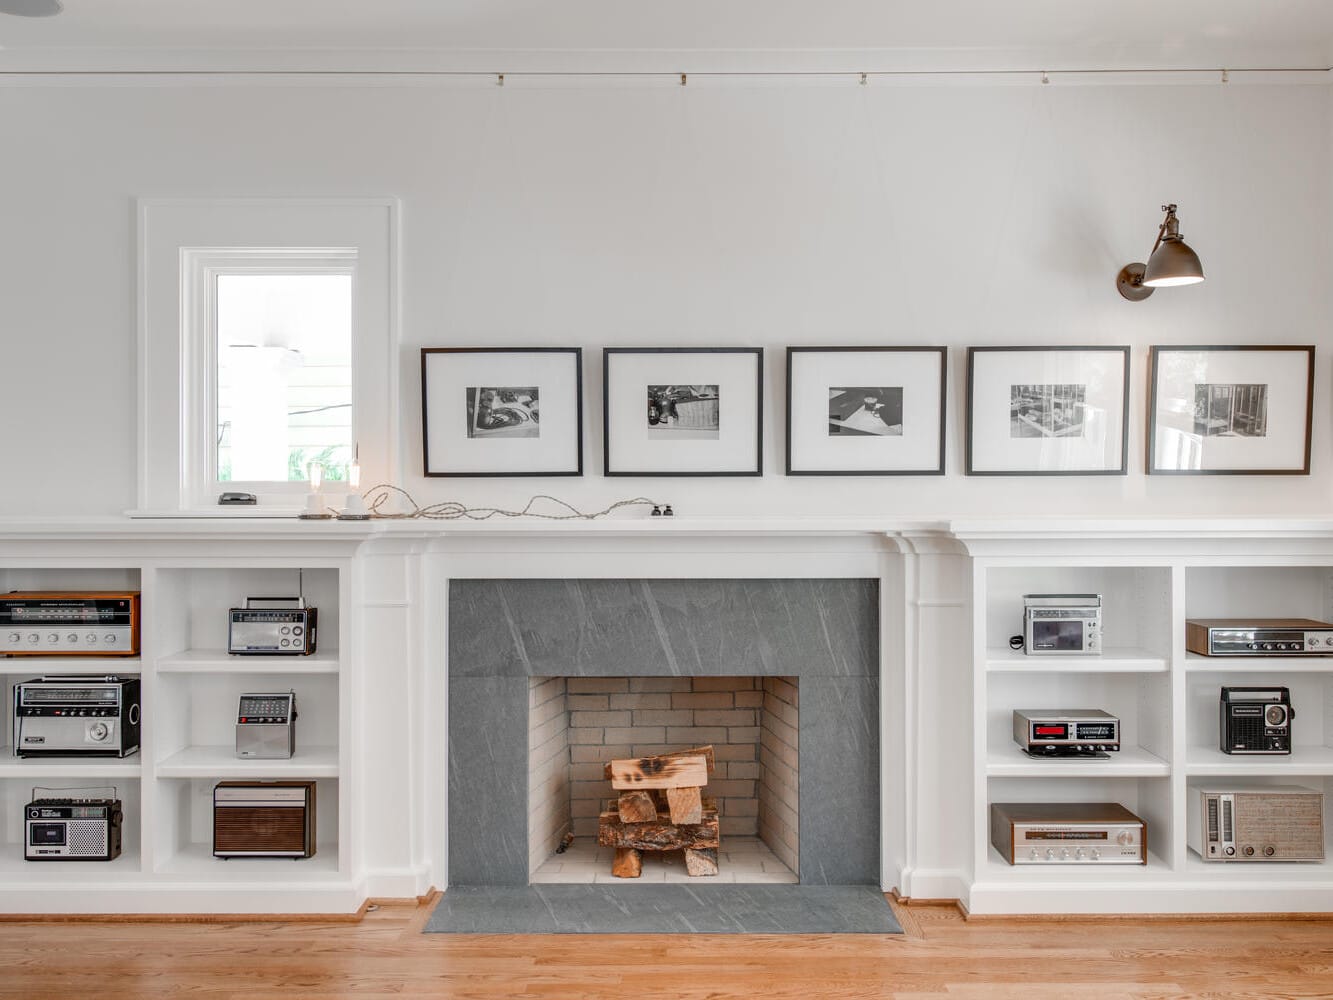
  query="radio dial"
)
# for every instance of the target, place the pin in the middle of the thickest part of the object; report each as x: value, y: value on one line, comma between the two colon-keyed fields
x: 72, y: 637
x: 14, y: 637
x: 91, y: 638
x: 1124, y: 838
x: 32, y: 636
x: 1269, y: 851
x: 1050, y: 854
x: 1080, y: 854
x: 53, y: 638
x: 1268, y: 645
x: 1229, y: 852
x: 1096, y: 854
x: 98, y: 731
x: 110, y: 638
x: 1033, y: 854
x: 1248, y: 851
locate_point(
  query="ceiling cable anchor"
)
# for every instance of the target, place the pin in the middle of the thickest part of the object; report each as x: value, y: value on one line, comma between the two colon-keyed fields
x: 864, y: 79
x: 1044, y: 77
x: 1226, y: 76
x: 499, y: 79
x: 682, y: 79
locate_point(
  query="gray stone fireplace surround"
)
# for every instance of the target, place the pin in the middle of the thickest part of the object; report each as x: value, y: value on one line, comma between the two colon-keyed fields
x: 825, y: 632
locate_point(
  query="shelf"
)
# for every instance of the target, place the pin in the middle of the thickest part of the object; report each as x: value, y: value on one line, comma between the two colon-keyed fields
x: 1303, y: 760
x: 222, y: 762
x: 38, y: 768
x: 196, y: 862
x: 1195, y: 663
x: 1129, y: 762
x: 97, y: 666
x: 217, y: 661
x: 1116, y: 660
x: 13, y: 869
x: 999, y: 870
x: 1257, y: 872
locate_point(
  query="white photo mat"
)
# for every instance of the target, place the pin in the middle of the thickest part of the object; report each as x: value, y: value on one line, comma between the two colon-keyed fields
x: 918, y: 447
x: 1095, y: 447
x: 634, y: 448
x: 1184, y: 439
x: 446, y: 376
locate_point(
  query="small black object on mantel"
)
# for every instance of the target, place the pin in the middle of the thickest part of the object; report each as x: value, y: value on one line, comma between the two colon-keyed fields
x: 237, y: 500
x: 657, y: 511
x: 668, y: 512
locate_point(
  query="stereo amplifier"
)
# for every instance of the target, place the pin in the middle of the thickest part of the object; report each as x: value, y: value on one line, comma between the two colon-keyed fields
x: 1258, y: 637
x: 69, y: 623
x: 1068, y: 833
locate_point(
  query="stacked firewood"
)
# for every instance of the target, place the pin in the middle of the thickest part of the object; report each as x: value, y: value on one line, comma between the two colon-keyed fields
x: 661, y: 808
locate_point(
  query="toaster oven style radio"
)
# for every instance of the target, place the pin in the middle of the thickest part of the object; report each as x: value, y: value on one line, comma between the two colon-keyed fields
x: 70, y: 829
x: 1238, y: 822
x: 75, y: 715
x: 1068, y: 833
x: 1066, y: 732
x: 1255, y: 720
x: 264, y: 819
x: 1062, y: 624
x: 67, y: 623
x: 1258, y: 637
x: 263, y: 628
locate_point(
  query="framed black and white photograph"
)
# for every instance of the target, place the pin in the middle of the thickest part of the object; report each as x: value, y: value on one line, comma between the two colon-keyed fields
x: 1230, y: 410
x: 502, y: 411
x: 866, y: 411
x: 1047, y: 411
x: 685, y: 411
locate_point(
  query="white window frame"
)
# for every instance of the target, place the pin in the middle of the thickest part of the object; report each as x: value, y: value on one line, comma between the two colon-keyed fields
x: 183, y: 246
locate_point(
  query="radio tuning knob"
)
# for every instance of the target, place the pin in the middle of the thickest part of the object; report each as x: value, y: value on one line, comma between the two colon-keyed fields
x: 1248, y: 851
x: 14, y: 637
x: 97, y: 731
x: 1080, y: 854
x: 1050, y: 854
x: 1096, y: 854
x: 1269, y: 851
x: 1124, y: 838
x: 32, y: 637
x: 1033, y: 854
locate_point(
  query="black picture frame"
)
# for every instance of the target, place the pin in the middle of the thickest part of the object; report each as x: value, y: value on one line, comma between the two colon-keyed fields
x: 452, y: 443
x: 716, y: 449
x: 1105, y: 369
x: 1221, y: 430
x: 918, y: 446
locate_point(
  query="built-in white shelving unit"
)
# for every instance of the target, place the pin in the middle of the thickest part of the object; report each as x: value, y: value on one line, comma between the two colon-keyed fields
x: 1167, y: 701
x: 190, y: 688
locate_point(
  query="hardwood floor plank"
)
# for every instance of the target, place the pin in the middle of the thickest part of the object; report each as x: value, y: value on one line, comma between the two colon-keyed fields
x: 940, y: 956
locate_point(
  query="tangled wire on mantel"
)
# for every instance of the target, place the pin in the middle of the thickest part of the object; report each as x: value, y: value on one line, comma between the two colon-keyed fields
x: 451, y: 510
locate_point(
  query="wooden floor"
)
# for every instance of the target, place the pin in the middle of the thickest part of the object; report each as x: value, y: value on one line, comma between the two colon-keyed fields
x: 941, y: 957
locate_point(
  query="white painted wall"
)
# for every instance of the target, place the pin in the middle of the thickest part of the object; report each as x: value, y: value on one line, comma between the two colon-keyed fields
x: 608, y: 213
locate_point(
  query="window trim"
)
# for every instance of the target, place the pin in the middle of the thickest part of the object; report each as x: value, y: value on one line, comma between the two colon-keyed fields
x: 178, y: 239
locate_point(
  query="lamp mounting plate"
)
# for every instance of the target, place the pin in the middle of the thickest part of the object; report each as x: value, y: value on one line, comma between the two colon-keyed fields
x: 1130, y: 282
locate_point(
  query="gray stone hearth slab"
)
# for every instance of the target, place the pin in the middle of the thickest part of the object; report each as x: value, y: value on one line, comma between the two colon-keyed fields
x: 665, y: 909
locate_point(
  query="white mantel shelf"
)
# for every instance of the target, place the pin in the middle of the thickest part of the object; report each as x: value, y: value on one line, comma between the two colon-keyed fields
x: 147, y: 526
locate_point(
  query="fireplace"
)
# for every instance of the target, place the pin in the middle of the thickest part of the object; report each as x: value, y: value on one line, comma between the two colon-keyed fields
x: 578, y: 724
x: 802, y: 654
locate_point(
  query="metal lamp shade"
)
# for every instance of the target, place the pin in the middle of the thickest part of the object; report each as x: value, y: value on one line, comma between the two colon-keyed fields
x: 1173, y: 263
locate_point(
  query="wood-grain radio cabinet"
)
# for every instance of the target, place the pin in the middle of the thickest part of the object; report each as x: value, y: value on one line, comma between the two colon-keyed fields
x: 1167, y: 701
x: 190, y: 691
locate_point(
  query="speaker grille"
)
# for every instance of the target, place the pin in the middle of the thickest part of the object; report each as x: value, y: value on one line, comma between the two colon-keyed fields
x: 87, y: 837
x: 259, y: 828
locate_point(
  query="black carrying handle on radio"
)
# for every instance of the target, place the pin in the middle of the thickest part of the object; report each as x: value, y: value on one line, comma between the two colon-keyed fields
x: 115, y: 793
x: 297, y: 601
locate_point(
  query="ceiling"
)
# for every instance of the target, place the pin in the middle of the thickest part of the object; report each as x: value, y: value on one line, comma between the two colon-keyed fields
x: 672, y: 35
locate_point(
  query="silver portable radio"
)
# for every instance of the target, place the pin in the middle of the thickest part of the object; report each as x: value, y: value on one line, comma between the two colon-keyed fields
x: 1062, y: 624
x: 71, y: 829
x: 264, y: 628
x: 266, y: 726
x: 76, y: 715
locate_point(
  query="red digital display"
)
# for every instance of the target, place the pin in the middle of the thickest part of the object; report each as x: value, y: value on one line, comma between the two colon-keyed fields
x: 1048, y: 730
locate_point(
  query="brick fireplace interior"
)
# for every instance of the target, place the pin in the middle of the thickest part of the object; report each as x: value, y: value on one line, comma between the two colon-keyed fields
x: 578, y: 724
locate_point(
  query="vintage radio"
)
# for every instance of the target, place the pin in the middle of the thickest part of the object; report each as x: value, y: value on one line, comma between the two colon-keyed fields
x: 71, y: 829
x: 1249, y: 822
x: 1068, y: 833
x: 266, y: 726
x: 1066, y: 732
x: 69, y: 623
x: 264, y: 819
x: 1255, y: 720
x: 76, y: 715
x: 1062, y: 623
x: 262, y: 628
x: 1258, y: 637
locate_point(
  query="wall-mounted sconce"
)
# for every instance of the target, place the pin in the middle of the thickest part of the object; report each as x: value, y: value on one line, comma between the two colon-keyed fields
x: 1171, y: 262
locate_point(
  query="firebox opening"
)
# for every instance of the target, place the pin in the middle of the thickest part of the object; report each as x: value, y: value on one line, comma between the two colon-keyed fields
x: 576, y: 725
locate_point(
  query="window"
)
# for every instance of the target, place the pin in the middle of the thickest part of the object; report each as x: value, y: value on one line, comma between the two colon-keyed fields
x: 263, y: 351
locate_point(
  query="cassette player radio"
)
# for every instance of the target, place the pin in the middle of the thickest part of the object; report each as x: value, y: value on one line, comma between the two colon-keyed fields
x: 69, y: 623
x: 272, y: 626
x: 1258, y: 637
x: 59, y: 828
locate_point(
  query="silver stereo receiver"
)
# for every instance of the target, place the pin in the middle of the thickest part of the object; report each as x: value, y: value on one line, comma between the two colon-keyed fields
x: 1066, y: 732
x: 1068, y: 833
x: 1062, y: 624
x: 69, y: 623
x: 266, y: 726
x: 1258, y: 637
x: 74, y: 715
x: 265, y: 627
x: 1243, y: 821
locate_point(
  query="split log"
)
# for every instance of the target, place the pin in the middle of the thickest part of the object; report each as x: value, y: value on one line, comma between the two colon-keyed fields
x: 659, y: 772
x: 684, y: 804
x: 701, y: 860
x: 704, y: 751
x: 657, y: 836
x: 628, y: 863
x: 637, y: 807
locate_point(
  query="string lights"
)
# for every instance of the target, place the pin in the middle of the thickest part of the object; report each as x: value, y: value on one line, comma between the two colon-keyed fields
x: 378, y: 496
